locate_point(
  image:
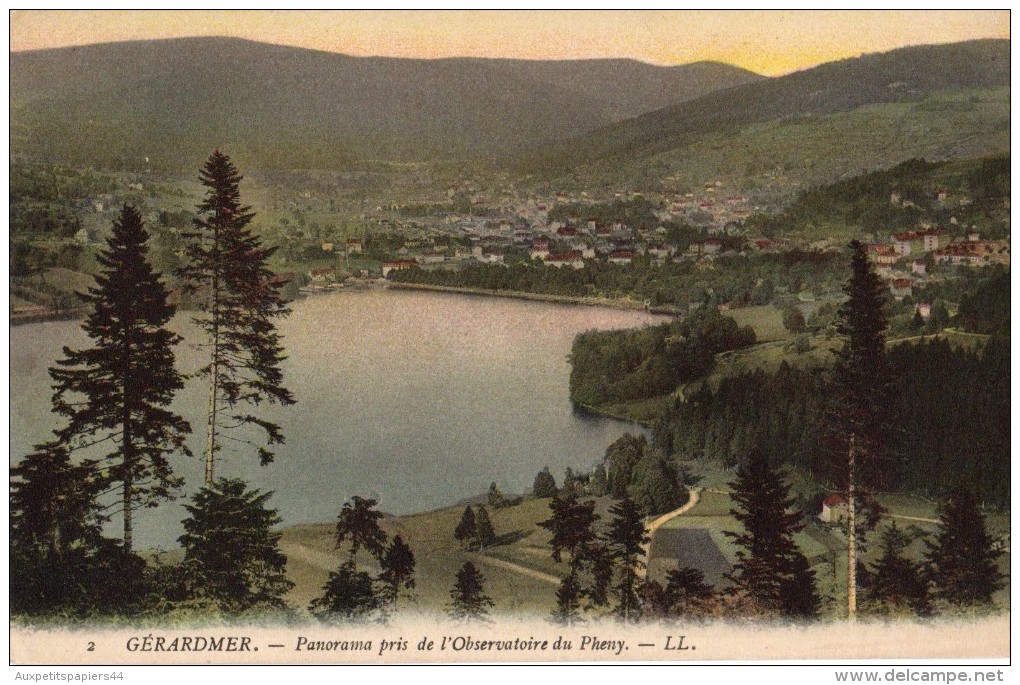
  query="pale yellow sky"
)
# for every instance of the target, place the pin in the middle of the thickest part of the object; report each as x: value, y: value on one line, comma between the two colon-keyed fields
x: 767, y: 41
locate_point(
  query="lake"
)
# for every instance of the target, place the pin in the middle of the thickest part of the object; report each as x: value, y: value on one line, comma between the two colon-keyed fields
x: 417, y: 399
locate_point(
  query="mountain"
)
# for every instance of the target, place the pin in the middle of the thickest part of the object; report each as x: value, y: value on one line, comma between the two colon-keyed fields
x: 899, y: 76
x: 296, y: 107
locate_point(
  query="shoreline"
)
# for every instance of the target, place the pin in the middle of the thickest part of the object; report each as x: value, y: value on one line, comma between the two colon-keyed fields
x: 632, y: 305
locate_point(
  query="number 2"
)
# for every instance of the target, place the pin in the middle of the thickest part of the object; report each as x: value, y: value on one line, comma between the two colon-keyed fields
x: 92, y: 647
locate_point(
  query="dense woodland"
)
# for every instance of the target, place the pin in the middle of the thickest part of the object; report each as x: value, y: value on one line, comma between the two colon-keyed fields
x: 950, y: 419
x: 614, y: 366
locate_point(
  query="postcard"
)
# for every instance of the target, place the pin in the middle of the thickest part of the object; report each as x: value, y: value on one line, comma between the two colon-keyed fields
x: 545, y: 337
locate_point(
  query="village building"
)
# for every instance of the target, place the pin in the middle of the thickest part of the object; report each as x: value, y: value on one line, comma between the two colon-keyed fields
x: 834, y: 509
x: 571, y: 259
x: 901, y: 287
x: 398, y: 265
x: 539, y: 249
x: 621, y: 257
x: 882, y: 254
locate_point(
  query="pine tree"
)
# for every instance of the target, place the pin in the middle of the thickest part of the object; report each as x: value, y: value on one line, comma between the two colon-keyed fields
x: 120, y: 390
x: 495, y: 497
x: 227, y: 265
x: 860, y: 396
x: 469, y: 601
x: 63, y: 563
x: 397, y: 570
x: 770, y: 569
x: 687, y: 595
x: 626, y: 540
x: 598, y: 485
x: 569, y: 595
x: 656, y: 486
x: 571, y: 526
x: 485, y: 534
x: 231, y: 552
x: 358, y: 521
x: 897, y: 583
x: 545, y: 484
x: 348, y: 595
x: 466, y: 529
x: 963, y: 557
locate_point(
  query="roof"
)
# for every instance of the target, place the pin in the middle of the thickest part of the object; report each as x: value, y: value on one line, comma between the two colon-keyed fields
x: 834, y: 500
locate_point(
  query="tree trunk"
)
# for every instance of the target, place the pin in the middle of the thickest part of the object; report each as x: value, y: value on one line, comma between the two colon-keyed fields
x: 851, y: 547
x: 210, y: 434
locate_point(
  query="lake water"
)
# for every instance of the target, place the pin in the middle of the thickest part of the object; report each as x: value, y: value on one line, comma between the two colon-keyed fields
x: 417, y: 399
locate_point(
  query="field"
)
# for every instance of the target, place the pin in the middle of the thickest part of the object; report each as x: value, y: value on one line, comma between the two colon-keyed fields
x: 766, y: 320
x: 519, y: 575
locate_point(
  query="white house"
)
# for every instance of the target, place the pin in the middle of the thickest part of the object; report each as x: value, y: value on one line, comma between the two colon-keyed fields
x: 834, y: 509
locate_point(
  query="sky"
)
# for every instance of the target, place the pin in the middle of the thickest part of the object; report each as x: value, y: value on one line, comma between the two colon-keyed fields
x: 770, y: 42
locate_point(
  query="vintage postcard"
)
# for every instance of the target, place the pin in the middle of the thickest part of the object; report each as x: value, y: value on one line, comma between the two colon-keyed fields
x: 450, y: 337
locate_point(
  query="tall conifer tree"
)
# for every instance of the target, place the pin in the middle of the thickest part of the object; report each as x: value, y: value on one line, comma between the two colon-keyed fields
x: 626, y: 539
x: 770, y: 569
x: 860, y: 397
x: 227, y: 265
x: 963, y: 557
x: 120, y: 389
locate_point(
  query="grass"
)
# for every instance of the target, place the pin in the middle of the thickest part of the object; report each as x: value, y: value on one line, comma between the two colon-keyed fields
x: 438, y: 557
x: 766, y: 320
x: 769, y: 356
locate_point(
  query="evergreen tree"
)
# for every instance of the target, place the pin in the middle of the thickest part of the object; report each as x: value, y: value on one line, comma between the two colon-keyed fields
x: 469, y: 601
x: 770, y: 569
x: 569, y: 595
x: 598, y: 485
x: 963, y: 557
x: 358, y: 521
x: 656, y: 486
x: 466, y: 530
x: 397, y: 570
x: 860, y: 396
x: 63, y: 563
x: 621, y: 458
x: 626, y: 540
x: 119, y: 391
x: 571, y: 525
x: 569, y: 480
x: 897, y: 583
x: 545, y: 484
x: 495, y: 497
x: 231, y: 552
x: 348, y: 595
x: 687, y: 595
x: 485, y: 534
x: 227, y: 265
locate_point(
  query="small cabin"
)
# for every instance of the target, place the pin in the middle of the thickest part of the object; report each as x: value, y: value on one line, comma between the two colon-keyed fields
x: 834, y: 509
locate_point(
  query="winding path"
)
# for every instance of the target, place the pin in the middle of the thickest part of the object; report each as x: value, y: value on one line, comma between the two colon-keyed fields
x: 516, y: 568
x: 657, y: 523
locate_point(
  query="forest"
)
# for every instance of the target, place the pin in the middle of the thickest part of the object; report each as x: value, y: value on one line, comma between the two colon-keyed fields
x: 950, y: 419
x: 615, y: 366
